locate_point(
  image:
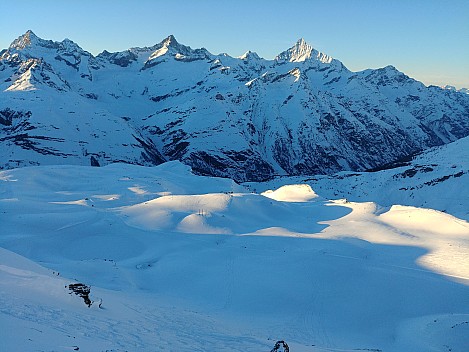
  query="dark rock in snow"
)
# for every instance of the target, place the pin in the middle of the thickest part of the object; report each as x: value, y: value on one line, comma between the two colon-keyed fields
x: 81, y: 290
x: 94, y: 161
x: 281, y: 346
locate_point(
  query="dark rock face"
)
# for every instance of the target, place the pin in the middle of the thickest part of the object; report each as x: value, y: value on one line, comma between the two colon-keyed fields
x: 94, y: 161
x: 240, y: 166
x: 83, y: 291
x: 7, y: 116
x: 151, y: 153
x: 123, y: 59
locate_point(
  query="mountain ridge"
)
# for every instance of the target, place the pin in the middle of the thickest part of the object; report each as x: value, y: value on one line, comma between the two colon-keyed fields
x: 246, y: 118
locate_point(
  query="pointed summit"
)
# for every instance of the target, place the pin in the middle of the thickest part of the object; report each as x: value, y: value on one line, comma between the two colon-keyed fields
x: 171, y: 48
x: 170, y: 41
x: 30, y: 34
x: 25, y: 40
x: 70, y: 46
x: 249, y: 55
x: 29, y: 41
x: 301, y: 43
x: 302, y: 51
x: 169, y: 44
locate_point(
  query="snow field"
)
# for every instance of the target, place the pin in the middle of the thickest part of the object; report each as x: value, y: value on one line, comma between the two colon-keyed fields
x: 186, y: 263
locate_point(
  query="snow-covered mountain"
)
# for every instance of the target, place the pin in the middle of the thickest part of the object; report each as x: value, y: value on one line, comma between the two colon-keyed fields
x: 247, y: 118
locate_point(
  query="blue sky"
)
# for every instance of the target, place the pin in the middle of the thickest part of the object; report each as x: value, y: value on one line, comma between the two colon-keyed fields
x: 426, y: 39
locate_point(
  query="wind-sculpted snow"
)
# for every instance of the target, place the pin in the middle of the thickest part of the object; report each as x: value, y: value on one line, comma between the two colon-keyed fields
x: 178, y: 262
x: 292, y: 193
x: 245, y: 118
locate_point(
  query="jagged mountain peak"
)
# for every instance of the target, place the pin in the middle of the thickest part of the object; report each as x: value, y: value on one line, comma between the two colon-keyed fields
x: 69, y: 46
x: 67, y: 41
x: 301, y: 42
x: 248, y: 55
x: 25, y: 40
x: 170, y: 40
x: 29, y: 35
x: 30, y: 40
x: 302, y: 51
x: 171, y: 47
x: 170, y: 43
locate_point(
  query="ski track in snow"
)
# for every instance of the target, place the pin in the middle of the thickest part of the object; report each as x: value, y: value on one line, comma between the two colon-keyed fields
x: 321, y: 275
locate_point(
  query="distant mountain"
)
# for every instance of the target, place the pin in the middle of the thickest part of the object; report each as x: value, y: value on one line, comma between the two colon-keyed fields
x: 453, y: 88
x: 246, y: 118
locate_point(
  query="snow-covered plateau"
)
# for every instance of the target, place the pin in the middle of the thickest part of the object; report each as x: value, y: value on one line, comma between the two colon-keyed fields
x: 339, y: 222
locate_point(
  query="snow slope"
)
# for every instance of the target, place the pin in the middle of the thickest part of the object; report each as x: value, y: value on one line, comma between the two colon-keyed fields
x: 181, y: 262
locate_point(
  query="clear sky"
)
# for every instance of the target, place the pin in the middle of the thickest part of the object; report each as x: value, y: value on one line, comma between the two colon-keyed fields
x: 426, y: 39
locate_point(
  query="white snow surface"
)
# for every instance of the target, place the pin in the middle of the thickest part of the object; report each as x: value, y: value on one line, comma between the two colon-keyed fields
x: 292, y: 193
x: 189, y: 263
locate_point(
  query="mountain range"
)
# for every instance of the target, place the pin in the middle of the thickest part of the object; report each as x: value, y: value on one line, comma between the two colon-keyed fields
x: 246, y: 118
